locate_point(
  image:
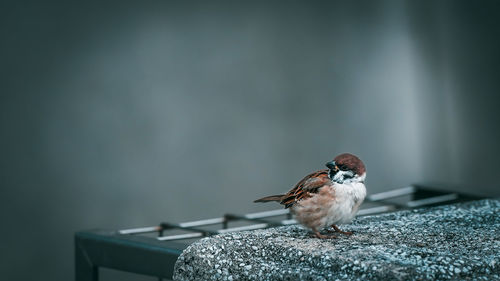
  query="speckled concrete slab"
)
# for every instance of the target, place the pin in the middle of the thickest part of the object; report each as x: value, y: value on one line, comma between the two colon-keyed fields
x: 458, y: 242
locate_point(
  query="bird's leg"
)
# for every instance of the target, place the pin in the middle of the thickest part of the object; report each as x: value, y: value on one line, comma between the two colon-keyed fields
x: 321, y: 236
x: 340, y: 231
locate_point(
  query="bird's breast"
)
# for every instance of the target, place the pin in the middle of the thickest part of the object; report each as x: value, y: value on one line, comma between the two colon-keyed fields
x: 348, y: 198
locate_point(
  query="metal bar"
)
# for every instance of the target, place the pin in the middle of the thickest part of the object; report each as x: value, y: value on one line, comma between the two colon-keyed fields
x: 231, y: 217
x: 242, y: 228
x: 391, y: 194
x: 432, y: 200
x: 202, y: 222
x: 180, y: 236
x: 376, y: 210
x: 266, y: 214
x: 190, y: 224
x: 148, y: 229
x: 205, y: 232
x: 289, y: 221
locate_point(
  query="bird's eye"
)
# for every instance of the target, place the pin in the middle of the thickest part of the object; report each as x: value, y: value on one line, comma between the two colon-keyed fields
x: 343, y: 167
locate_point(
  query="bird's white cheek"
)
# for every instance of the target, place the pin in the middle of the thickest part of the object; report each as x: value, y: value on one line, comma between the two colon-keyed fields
x: 340, y: 176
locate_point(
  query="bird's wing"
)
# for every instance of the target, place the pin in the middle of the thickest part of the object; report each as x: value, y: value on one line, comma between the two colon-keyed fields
x: 306, y: 187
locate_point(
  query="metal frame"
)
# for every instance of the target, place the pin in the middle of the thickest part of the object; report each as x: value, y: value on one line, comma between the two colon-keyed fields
x: 129, y: 250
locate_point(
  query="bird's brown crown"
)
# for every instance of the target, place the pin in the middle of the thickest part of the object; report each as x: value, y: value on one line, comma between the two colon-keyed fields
x: 350, y: 162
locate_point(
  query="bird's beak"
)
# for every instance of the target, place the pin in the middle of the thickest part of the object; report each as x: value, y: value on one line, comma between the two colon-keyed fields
x: 331, y: 165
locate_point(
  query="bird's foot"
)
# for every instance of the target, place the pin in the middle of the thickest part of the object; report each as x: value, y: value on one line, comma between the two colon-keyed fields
x: 336, y: 229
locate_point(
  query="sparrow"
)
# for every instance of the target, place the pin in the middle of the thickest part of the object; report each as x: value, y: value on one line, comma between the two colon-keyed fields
x: 327, y: 197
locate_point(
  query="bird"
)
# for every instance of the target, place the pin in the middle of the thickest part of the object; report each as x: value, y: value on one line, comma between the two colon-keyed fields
x: 327, y: 197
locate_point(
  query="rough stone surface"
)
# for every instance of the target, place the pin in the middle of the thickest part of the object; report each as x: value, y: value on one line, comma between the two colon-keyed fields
x: 460, y: 241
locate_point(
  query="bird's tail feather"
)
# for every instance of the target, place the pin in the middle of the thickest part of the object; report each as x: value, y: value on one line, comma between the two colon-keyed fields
x: 272, y: 198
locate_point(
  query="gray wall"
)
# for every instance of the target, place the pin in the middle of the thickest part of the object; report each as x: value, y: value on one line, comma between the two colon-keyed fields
x: 117, y: 115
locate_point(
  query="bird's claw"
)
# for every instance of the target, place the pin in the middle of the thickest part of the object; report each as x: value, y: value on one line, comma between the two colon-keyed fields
x: 336, y: 229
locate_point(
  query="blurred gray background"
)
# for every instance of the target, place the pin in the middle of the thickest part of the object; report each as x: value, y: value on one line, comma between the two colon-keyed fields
x: 127, y: 113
